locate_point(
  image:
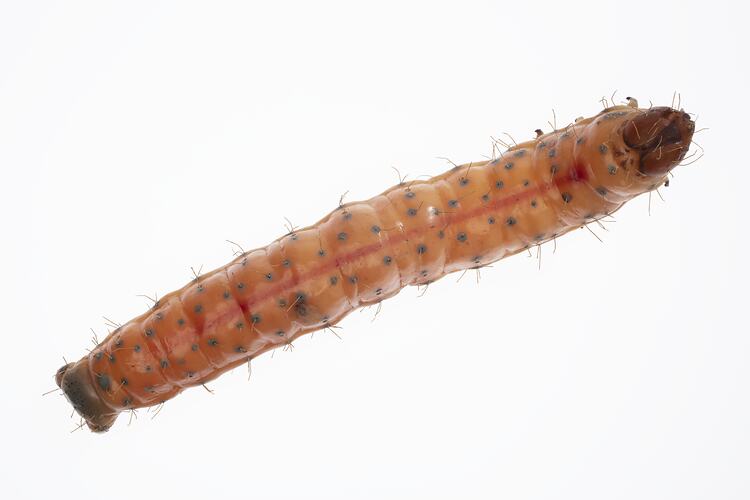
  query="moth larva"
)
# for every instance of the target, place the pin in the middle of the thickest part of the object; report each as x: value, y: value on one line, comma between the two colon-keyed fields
x: 364, y: 252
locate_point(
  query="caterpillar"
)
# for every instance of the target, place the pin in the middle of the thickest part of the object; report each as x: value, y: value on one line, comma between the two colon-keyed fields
x: 364, y: 252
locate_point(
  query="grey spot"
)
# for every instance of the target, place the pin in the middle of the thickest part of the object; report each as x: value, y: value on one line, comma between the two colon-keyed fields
x: 103, y: 381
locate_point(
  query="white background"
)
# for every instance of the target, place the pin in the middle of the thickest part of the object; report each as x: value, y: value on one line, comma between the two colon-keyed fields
x: 136, y: 137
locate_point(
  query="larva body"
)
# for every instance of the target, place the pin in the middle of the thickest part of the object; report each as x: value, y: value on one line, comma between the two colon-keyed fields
x: 364, y: 252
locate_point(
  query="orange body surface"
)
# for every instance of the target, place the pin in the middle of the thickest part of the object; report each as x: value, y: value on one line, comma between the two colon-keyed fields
x: 364, y: 252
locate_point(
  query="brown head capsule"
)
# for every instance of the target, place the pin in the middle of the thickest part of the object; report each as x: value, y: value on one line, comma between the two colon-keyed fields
x: 662, y: 136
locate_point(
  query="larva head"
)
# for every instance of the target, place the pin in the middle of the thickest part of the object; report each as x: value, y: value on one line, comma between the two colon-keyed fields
x: 661, y: 136
x: 76, y: 383
x: 629, y: 151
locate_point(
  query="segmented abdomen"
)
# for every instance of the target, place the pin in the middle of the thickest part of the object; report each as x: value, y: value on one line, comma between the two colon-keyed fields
x: 359, y: 254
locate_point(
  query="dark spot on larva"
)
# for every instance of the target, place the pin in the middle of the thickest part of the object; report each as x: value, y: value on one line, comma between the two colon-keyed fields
x: 533, y: 203
x: 613, y: 114
x: 126, y: 401
x: 300, y: 298
x: 553, y: 169
x: 111, y: 358
x: 421, y: 248
x: 509, y: 165
x: 118, y: 342
x: 293, y: 236
x: 282, y: 302
x: 137, y: 348
x: 519, y: 153
x: 539, y: 237
x: 181, y: 321
x: 566, y: 197
x: 322, y: 252
x: 411, y: 212
x: 280, y: 333
x: 435, y: 211
x: 124, y: 381
x: 324, y: 319
x: 410, y: 194
x: 463, y: 181
x: 269, y: 276
x: 564, y: 135
x: 499, y: 184
x: 612, y: 170
x: 286, y: 263
x: 461, y: 236
x: 602, y: 190
x: 300, y: 309
x: 98, y: 355
x: 149, y: 388
x: 213, y: 342
x: 255, y: 318
x: 149, y: 332
x: 194, y: 347
x: 333, y: 280
x: 525, y: 182
x: 240, y: 286
x: 227, y: 294
x: 347, y: 215
x: 103, y: 381
x: 164, y: 363
x: 239, y: 325
x: 190, y: 374
x: 452, y: 203
x: 148, y: 368
x: 485, y: 198
x: 603, y: 148
x: 542, y: 145
x: 200, y: 288
x: 341, y: 236
x: 198, y: 308
x: 490, y: 220
x: 379, y: 291
x: 511, y: 221
x: 441, y: 234
x: 552, y: 153
x: 375, y: 229
x: 477, y: 259
x: 387, y: 260
x: 353, y: 279
x: 579, y: 140
x: 424, y: 273
x: 239, y: 348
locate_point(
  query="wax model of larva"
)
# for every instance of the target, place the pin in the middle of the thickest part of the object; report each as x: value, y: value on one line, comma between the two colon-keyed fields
x: 364, y: 252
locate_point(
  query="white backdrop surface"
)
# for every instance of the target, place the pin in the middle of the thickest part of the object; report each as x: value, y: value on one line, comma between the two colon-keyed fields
x: 136, y: 137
